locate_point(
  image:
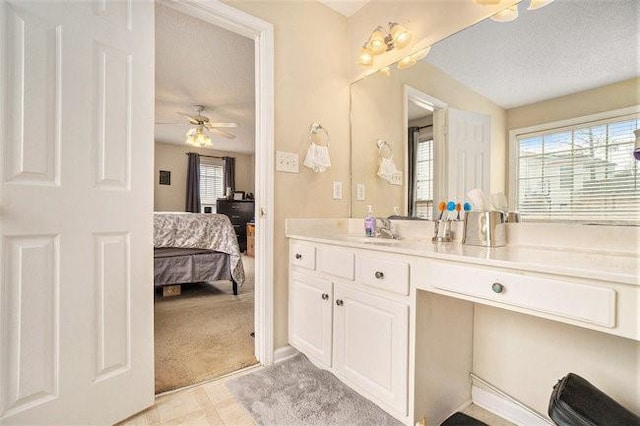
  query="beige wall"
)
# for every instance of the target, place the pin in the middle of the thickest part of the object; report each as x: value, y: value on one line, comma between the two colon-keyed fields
x: 172, y: 158
x: 377, y: 104
x: 525, y: 356
x: 311, y: 84
x: 606, y: 98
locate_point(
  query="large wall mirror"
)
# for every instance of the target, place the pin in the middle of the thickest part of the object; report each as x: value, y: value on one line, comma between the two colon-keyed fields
x: 444, y: 123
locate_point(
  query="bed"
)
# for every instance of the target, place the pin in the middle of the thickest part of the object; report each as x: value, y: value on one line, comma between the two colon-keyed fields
x: 194, y: 247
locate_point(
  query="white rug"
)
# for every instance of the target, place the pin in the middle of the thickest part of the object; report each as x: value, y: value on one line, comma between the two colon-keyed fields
x: 295, y: 392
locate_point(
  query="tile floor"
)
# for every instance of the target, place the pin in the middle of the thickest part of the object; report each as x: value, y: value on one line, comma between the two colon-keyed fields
x: 213, y: 404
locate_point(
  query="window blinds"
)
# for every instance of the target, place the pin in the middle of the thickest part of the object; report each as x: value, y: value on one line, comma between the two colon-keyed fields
x: 211, y: 181
x: 583, y: 172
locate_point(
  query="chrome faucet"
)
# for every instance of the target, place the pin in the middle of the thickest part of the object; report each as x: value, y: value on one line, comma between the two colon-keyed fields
x: 384, y: 229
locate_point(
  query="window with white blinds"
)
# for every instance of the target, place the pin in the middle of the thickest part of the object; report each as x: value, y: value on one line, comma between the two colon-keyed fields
x: 211, y: 182
x: 423, y: 207
x: 580, y: 172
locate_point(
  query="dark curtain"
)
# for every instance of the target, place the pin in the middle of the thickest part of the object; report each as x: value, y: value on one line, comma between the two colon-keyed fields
x: 193, y: 184
x: 411, y: 178
x: 229, y: 173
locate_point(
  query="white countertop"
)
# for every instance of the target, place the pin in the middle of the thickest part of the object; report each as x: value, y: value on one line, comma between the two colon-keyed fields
x: 588, y: 264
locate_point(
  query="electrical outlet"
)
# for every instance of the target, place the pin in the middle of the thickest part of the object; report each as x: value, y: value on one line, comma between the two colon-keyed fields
x: 337, y: 190
x: 396, y: 178
x: 286, y: 162
x: 360, y: 194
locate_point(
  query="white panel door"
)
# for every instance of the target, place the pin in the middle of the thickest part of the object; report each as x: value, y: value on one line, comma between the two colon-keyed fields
x: 76, y: 145
x: 468, y: 153
x: 310, y: 315
x: 371, y: 345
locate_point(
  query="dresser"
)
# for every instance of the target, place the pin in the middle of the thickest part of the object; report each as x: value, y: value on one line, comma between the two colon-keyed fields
x: 240, y: 212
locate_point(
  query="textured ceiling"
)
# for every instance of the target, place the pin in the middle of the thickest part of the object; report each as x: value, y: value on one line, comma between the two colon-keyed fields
x: 345, y: 7
x: 199, y: 63
x: 565, y: 47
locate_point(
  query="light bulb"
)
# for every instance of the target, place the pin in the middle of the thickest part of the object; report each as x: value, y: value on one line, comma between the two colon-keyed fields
x: 377, y: 44
x: 406, y: 62
x: 365, y: 57
x: 401, y: 36
x: 506, y: 15
x: 537, y: 4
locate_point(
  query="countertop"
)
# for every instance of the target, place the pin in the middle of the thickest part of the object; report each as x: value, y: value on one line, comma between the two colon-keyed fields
x: 607, y: 266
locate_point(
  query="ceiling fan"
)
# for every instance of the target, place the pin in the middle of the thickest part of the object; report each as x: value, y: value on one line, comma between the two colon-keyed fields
x: 202, y: 122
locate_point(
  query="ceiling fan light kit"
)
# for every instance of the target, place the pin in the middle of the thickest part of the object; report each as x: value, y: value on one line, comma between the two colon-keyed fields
x: 197, y: 136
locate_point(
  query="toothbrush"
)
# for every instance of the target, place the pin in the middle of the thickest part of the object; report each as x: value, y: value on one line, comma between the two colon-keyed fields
x: 442, y: 206
x: 458, y: 208
x: 451, y: 206
x: 467, y: 208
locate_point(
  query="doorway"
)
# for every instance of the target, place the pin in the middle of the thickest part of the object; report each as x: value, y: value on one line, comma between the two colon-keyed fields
x: 255, y: 163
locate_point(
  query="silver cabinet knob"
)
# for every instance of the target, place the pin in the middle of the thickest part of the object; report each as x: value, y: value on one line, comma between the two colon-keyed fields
x: 379, y: 275
x: 298, y: 256
x: 325, y: 296
x: 497, y: 287
x: 339, y: 302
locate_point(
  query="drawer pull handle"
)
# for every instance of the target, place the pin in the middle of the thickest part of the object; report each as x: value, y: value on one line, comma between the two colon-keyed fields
x: 339, y: 302
x: 379, y: 275
x: 298, y: 256
x: 497, y: 287
x: 325, y: 296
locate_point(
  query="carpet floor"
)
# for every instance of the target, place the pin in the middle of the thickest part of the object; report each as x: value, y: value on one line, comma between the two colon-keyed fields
x: 204, y: 333
x: 296, y: 392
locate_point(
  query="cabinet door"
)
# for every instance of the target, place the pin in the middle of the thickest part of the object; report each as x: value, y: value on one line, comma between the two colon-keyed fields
x: 310, y: 316
x: 371, y: 339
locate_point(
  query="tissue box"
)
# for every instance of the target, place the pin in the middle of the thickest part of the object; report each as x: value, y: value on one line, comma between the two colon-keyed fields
x: 485, y: 229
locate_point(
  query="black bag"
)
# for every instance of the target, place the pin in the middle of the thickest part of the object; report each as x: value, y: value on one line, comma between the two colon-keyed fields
x: 576, y: 402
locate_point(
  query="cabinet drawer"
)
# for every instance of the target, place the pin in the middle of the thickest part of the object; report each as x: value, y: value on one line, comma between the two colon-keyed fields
x: 391, y: 275
x: 587, y: 303
x: 303, y: 255
x: 336, y: 262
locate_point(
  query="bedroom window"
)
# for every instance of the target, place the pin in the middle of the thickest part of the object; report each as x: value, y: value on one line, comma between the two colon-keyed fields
x: 582, y: 171
x: 211, y: 182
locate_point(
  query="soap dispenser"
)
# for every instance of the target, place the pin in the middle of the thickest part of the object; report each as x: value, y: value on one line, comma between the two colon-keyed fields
x: 370, y: 223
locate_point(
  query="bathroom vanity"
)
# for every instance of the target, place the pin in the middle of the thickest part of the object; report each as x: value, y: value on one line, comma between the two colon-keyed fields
x: 394, y: 319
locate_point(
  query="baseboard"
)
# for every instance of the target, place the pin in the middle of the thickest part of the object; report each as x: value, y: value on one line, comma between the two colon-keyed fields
x: 505, y: 408
x: 284, y: 353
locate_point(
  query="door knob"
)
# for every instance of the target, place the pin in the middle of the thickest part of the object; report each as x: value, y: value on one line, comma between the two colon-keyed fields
x: 339, y: 302
x: 325, y: 296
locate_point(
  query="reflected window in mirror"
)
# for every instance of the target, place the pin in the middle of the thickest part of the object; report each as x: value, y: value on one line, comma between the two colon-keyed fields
x: 581, y: 169
x: 421, y: 148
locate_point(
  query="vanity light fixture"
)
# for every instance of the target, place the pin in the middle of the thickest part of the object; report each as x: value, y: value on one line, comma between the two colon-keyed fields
x: 410, y: 60
x: 382, y: 40
x: 197, y: 137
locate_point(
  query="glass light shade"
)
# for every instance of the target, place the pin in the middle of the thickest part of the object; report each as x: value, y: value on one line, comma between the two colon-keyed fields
x: 377, y: 44
x: 401, y: 36
x: 365, y: 58
x: 506, y: 15
x: 406, y: 62
x: 197, y: 137
x: 421, y: 54
x: 386, y: 71
x: 537, y: 4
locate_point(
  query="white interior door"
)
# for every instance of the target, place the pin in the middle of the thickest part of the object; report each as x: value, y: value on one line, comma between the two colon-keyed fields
x: 468, y: 153
x: 76, y: 129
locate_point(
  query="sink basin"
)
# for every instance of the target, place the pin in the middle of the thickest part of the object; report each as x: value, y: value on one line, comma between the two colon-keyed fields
x: 367, y: 240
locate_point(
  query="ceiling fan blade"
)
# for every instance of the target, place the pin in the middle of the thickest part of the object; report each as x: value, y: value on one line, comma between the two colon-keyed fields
x: 190, y: 118
x: 231, y: 125
x: 222, y: 133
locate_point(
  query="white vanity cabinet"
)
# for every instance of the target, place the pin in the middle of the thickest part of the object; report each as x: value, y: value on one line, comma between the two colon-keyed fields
x: 352, y: 317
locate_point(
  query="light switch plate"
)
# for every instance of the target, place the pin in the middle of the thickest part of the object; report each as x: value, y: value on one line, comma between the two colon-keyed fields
x: 360, y: 192
x: 337, y: 190
x: 286, y: 162
x: 396, y: 178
